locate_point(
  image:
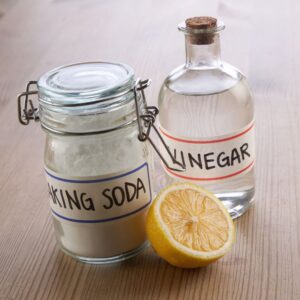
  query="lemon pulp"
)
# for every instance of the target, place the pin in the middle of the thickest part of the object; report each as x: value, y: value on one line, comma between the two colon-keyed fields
x: 194, y: 220
x: 188, y: 226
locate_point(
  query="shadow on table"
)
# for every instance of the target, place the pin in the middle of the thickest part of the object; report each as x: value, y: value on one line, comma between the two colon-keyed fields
x: 143, y: 277
x: 149, y: 277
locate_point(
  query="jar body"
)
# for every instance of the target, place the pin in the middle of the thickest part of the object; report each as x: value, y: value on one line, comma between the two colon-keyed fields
x: 204, y: 113
x: 121, y: 232
x: 97, y: 169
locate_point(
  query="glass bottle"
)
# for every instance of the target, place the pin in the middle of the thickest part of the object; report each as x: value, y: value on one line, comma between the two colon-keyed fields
x: 207, y: 119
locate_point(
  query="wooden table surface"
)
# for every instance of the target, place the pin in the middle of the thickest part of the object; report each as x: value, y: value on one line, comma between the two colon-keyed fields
x: 261, y: 39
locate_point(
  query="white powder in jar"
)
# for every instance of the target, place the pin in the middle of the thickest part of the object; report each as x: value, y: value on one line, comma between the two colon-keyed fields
x: 98, y: 155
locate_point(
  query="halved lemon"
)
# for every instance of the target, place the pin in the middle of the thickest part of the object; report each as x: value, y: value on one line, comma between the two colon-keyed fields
x: 188, y: 226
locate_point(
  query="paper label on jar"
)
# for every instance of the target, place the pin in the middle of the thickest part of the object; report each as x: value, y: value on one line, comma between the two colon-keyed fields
x: 212, y: 159
x: 99, y: 199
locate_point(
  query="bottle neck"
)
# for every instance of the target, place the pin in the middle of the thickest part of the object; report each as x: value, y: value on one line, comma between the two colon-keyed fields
x: 199, y: 55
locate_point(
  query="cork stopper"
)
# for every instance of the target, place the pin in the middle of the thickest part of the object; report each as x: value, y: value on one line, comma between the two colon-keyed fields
x: 201, y: 22
x: 207, y: 24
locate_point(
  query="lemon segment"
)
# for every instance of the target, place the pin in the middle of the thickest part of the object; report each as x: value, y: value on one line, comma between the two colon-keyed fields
x: 188, y: 226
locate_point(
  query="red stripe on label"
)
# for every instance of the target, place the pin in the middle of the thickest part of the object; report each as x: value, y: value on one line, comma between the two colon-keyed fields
x: 214, y: 178
x: 208, y: 141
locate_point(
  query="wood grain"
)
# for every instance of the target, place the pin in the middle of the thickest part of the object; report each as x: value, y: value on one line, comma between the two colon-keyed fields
x: 261, y: 39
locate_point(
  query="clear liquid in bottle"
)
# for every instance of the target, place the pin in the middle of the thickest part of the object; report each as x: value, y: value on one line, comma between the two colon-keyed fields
x: 207, y: 120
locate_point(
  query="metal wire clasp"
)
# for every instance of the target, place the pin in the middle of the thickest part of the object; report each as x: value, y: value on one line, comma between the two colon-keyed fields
x: 146, y: 120
x: 28, y: 111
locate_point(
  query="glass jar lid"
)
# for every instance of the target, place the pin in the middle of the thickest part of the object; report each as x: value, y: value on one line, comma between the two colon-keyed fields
x: 87, y: 98
x: 83, y: 83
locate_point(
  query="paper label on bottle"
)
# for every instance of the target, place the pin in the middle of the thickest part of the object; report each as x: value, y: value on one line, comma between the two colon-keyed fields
x: 99, y: 199
x: 212, y: 159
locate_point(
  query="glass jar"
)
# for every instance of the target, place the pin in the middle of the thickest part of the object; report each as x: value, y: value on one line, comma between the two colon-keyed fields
x: 207, y: 119
x: 98, y: 171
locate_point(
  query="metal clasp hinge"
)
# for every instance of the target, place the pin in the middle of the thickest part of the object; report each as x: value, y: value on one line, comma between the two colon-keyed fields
x: 146, y: 120
x: 27, y: 111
